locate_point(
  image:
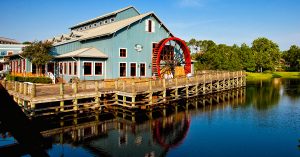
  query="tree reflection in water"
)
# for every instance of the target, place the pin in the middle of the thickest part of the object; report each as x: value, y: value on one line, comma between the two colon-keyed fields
x: 292, y: 88
x: 263, y: 95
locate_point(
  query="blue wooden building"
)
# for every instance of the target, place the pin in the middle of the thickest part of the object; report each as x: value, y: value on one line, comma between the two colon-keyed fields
x: 115, y: 45
x: 11, y: 49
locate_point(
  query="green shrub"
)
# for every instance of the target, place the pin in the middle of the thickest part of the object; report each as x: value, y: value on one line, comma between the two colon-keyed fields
x: 29, y: 79
x: 268, y: 72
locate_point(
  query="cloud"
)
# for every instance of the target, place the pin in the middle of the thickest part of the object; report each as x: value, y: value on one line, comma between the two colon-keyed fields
x: 190, y: 3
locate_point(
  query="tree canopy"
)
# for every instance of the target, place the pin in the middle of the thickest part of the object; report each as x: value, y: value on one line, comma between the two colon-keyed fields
x: 292, y: 57
x: 263, y: 55
x: 38, y: 53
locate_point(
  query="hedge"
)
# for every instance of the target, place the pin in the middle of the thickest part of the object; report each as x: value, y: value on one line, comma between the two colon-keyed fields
x: 41, y: 79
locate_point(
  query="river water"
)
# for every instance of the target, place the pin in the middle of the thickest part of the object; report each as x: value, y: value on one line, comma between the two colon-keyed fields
x: 263, y: 122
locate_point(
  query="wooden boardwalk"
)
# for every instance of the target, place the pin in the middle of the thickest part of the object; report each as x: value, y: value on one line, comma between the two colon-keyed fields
x: 130, y: 93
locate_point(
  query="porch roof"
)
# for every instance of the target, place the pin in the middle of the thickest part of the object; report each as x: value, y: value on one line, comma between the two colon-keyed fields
x: 90, y: 52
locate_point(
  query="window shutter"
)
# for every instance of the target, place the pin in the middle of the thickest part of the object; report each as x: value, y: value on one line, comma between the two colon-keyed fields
x: 153, y: 26
x: 146, y: 25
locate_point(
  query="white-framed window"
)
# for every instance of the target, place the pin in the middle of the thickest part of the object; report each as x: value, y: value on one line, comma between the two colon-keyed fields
x: 123, y: 52
x: 122, y: 69
x: 70, y: 68
x: 133, y: 67
x: 75, y: 68
x: 10, y: 53
x: 65, y: 68
x: 150, y: 26
x: 142, y: 69
x: 98, y: 68
x: 105, y: 21
x: 60, y: 68
x: 87, y: 68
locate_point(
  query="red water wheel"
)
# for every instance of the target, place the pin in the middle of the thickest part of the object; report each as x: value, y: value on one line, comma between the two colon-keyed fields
x: 170, y: 56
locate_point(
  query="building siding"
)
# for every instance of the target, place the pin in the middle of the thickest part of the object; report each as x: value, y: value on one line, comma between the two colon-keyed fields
x: 131, y: 12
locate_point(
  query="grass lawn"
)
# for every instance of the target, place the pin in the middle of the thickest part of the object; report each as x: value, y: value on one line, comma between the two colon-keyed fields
x: 266, y: 76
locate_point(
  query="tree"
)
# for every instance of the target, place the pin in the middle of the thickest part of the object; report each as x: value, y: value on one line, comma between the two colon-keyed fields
x: 38, y: 53
x: 267, y: 54
x: 292, y: 57
x: 247, y: 58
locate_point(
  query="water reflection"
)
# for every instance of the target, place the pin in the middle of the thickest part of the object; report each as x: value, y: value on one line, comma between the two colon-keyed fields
x: 292, y: 88
x: 215, y: 123
x: 115, y: 133
x: 263, y: 95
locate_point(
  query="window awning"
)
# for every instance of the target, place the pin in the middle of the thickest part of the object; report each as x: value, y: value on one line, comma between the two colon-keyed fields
x: 84, y: 52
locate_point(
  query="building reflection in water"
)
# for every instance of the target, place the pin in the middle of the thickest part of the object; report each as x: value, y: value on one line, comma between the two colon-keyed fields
x: 117, y: 132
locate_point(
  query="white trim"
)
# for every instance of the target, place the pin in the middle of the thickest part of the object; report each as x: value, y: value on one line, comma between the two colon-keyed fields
x: 105, y: 69
x: 65, y: 71
x: 79, y: 68
x: 31, y: 67
x: 140, y: 69
x: 120, y: 52
x: 136, y: 67
x: 102, y: 71
x: 91, y: 68
x: 125, y: 69
x: 73, y: 67
x: 70, y: 69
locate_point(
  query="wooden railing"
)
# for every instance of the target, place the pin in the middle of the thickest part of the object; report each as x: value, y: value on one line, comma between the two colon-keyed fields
x: 113, y: 85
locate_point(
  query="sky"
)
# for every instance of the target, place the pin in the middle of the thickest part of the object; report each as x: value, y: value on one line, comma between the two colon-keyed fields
x: 223, y: 21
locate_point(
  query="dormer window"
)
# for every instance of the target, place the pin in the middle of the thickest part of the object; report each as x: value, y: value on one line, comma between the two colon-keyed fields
x: 112, y: 19
x: 105, y: 22
x: 95, y: 24
x: 150, y: 26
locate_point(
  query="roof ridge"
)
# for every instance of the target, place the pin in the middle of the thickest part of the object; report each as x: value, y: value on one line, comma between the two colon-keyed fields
x: 104, y: 15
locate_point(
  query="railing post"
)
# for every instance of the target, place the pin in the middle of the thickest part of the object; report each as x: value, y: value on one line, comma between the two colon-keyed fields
x: 15, y: 86
x: 133, y: 87
x: 33, y: 90
x: 61, y: 89
x: 20, y: 87
x: 123, y: 88
x: 25, y: 89
x: 116, y: 84
x: 186, y: 87
x: 150, y: 85
x: 75, y: 87
x: 96, y: 86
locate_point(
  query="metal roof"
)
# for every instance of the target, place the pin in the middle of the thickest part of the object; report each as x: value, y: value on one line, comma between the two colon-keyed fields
x: 9, y: 40
x: 111, y: 28
x: 103, y: 16
x: 90, y: 52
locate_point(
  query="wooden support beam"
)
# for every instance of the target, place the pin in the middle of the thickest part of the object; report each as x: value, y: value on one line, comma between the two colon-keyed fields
x: 186, y: 87
x: 62, y: 104
x: 75, y: 104
x: 133, y: 101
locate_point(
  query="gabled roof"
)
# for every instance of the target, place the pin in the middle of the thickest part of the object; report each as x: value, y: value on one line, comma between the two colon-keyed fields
x: 84, y: 52
x: 114, y: 27
x: 103, y: 16
x: 9, y: 40
x: 111, y: 28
